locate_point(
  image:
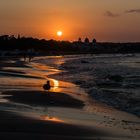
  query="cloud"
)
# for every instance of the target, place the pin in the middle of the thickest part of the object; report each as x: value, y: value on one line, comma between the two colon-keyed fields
x: 110, y: 14
x: 133, y: 11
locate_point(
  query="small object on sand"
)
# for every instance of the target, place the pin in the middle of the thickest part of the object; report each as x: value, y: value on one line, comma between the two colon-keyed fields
x: 47, y: 86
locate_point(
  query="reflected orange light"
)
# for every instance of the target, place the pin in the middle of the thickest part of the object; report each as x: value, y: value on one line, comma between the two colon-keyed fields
x: 54, y: 119
x: 54, y: 83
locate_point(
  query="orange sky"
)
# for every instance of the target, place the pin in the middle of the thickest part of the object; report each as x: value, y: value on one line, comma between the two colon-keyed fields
x: 106, y: 20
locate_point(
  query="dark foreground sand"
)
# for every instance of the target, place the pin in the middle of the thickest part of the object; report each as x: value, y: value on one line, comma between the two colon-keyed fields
x: 42, y: 98
x: 15, y: 126
x: 19, y: 125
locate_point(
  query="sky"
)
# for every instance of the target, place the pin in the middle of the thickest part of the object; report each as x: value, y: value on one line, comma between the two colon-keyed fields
x: 105, y: 20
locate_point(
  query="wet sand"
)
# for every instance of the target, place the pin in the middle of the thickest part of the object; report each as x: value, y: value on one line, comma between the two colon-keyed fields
x: 31, y: 113
x: 14, y: 126
x: 58, y: 119
x: 43, y: 98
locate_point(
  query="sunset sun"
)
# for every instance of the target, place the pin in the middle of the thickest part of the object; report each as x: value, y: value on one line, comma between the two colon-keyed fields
x: 59, y: 33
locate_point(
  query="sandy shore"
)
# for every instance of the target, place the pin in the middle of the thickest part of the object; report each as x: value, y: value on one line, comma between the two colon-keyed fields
x: 24, y: 125
x: 36, y: 114
x: 43, y: 98
x: 13, y: 126
x: 63, y: 119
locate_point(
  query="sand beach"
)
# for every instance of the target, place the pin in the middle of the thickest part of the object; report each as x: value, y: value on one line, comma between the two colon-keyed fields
x: 65, y: 112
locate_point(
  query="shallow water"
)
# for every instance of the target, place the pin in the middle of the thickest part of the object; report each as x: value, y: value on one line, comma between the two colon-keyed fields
x: 111, y: 79
x: 34, y: 75
x: 91, y: 72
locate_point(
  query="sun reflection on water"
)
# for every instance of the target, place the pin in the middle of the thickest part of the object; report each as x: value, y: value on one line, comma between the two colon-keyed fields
x: 53, y: 119
x: 54, y: 84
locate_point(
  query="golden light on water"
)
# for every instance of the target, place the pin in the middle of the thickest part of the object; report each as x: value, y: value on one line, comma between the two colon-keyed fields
x: 48, y: 118
x: 54, y: 84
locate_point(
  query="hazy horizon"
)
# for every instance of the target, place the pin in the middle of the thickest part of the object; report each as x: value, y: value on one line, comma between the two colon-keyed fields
x: 105, y: 20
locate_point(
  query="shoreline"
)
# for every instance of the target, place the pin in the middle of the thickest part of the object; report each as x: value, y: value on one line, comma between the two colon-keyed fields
x: 107, y: 82
x: 31, y: 114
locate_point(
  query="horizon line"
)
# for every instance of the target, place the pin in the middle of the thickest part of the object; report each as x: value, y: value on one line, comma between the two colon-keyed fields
x: 72, y: 41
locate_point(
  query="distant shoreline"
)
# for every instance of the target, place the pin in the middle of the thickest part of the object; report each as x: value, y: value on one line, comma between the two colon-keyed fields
x: 11, y: 45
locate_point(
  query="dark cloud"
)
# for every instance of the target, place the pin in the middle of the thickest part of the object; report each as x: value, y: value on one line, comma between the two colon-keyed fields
x: 133, y: 11
x: 110, y: 14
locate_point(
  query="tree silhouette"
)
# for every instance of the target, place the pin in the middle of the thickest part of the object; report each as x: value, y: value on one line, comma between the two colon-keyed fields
x: 86, y: 40
x: 79, y: 40
x: 52, y: 47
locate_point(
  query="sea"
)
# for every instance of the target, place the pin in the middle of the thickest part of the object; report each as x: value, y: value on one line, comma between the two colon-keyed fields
x: 113, y: 79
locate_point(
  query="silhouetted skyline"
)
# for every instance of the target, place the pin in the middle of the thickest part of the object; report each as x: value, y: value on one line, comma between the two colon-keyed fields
x: 53, y: 47
x: 107, y: 20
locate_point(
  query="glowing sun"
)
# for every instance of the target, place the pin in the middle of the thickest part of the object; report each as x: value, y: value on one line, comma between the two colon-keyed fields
x: 59, y: 33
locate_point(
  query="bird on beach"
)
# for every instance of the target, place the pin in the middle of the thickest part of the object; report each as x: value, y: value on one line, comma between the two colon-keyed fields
x: 47, y: 86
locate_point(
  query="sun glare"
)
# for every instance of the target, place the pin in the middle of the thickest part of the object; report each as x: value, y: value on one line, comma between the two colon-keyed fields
x: 59, y: 33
